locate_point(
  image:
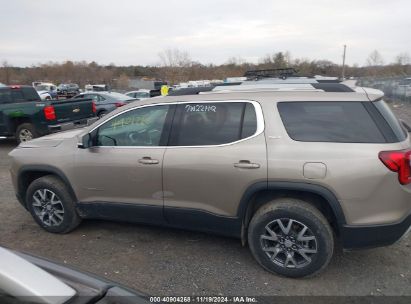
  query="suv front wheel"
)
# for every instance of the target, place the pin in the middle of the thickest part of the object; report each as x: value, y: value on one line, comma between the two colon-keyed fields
x: 291, y: 238
x: 51, y: 205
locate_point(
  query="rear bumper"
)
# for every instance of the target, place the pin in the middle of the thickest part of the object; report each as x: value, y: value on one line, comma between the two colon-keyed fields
x: 72, y: 125
x: 359, y: 237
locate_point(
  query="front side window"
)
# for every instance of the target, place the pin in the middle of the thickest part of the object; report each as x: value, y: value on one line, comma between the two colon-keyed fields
x: 201, y: 124
x: 341, y: 122
x: 139, y: 127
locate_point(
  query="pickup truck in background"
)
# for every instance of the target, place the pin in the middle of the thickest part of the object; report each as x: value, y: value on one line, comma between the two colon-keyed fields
x: 25, y: 116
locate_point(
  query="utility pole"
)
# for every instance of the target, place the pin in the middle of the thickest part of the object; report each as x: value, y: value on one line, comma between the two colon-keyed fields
x: 343, y: 66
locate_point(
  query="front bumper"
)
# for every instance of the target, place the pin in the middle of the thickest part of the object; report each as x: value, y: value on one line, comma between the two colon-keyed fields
x: 359, y: 237
x: 72, y: 125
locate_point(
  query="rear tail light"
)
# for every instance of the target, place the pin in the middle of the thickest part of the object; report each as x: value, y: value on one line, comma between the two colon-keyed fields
x: 93, y: 107
x: 49, y: 113
x: 15, y: 87
x: 398, y: 161
x: 119, y: 104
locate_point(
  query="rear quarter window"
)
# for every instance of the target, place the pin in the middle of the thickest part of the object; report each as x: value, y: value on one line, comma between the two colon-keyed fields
x: 341, y: 122
x: 392, y: 121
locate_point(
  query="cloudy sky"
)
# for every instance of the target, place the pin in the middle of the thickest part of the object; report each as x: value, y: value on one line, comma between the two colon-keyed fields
x: 131, y: 32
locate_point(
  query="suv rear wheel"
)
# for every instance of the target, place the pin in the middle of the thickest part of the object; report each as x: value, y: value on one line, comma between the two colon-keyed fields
x: 291, y: 238
x: 51, y: 205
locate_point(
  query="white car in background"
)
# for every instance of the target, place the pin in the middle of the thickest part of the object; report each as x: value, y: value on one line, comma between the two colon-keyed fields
x: 46, y: 90
x: 44, y: 95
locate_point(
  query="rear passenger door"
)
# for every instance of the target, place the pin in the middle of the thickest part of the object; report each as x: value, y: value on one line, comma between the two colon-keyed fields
x: 216, y: 151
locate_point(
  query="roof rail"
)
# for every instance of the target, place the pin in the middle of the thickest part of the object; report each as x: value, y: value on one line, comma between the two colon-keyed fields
x: 283, y: 73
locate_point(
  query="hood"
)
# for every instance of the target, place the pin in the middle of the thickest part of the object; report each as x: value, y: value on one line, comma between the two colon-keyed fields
x: 52, y: 140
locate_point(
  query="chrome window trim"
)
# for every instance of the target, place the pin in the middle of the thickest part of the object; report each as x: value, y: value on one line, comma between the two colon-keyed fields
x: 257, y: 108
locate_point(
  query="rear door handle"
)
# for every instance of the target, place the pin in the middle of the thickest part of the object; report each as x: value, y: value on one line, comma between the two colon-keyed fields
x: 148, y: 161
x: 246, y: 164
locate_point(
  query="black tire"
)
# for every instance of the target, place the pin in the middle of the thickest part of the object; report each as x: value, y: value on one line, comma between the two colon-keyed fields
x: 70, y: 218
x: 102, y: 114
x: 302, y: 214
x: 23, y: 129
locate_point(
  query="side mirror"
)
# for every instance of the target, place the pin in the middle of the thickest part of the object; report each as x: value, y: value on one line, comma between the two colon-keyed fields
x: 406, y: 126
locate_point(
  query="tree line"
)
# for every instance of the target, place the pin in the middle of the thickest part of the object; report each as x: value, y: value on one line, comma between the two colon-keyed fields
x: 176, y: 66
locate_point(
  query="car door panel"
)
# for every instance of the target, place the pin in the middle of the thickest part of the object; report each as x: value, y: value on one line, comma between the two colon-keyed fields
x: 126, y: 176
x: 207, y: 178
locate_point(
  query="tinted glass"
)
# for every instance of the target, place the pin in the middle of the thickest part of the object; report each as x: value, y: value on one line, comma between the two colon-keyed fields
x: 209, y: 123
x: 30, y: 94
x: 17, y: 95
x: 140, y: 127
x: 250, y: 121
x: 395, y: 125
x: 5, y: 96
x: 329, y: 122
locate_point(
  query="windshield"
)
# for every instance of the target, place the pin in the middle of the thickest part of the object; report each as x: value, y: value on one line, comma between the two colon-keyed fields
x: 42, y: 88
x: 119, y: 96
x: 142, y: 94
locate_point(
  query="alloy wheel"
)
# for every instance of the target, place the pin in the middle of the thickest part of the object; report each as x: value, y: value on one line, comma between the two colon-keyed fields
x: 25, y: 135
x: 48, y: 207
x: 289, y: 243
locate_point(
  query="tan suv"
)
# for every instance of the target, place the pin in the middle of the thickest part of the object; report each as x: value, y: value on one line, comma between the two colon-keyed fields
x: 288, y: 171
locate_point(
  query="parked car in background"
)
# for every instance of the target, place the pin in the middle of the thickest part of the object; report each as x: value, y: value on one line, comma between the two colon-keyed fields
x: 96, y: 87
x: 139, y: 94
x: 44, y: 95
x: 403, y: 89
x: 45, y: 87
x: 106, y: 101
x: 29, y: 279
x: 68, y: 90
x: 25, y: 116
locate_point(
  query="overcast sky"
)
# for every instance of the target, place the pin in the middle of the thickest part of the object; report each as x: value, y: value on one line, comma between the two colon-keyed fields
x: 131, y: 32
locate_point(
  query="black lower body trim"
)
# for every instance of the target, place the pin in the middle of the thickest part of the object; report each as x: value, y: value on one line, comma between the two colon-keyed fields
x: 198, y: 220
x: 359, y: 237
x: 132, y: 213
x: 181, y: 218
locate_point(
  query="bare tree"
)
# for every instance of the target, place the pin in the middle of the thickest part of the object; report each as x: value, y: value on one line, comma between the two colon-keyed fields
x: 175, y: 64
x: 375, y: 59
x: 6, y: 72
x: 123, y: 82
x: 174, y: 58
x: 403, y: 59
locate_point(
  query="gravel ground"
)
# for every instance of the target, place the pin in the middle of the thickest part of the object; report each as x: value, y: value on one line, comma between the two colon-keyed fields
x: 162, y: 261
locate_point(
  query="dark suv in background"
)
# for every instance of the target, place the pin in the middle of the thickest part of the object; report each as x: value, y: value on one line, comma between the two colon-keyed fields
x: 25, y: 116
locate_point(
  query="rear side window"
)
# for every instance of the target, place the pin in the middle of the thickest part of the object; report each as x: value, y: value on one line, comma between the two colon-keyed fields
x: 23, y: 94
x: 30, y: 94
x: 344, y: 122
x: 201, y: 124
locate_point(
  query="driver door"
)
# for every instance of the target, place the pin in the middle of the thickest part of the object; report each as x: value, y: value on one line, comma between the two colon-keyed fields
x: 123, y: 168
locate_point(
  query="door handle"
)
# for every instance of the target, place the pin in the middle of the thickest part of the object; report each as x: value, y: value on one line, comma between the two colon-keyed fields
x: 246, y: 164
x: 148, y: 161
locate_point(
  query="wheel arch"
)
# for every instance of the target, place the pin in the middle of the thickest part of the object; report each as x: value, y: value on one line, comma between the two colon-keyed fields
x: 27, y: 174
x: 15, y: 122
x: 262, y: 193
